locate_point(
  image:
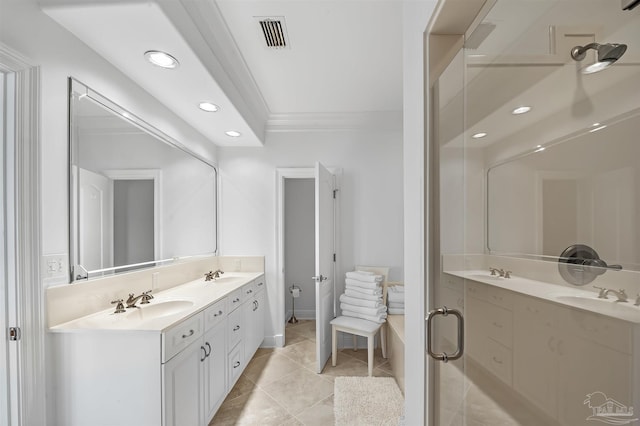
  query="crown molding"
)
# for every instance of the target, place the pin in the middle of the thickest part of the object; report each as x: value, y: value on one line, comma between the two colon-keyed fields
x: 326, y: 122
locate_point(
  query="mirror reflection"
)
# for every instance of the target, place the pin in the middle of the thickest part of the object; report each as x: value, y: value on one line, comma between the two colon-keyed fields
x: 138, y: 197
x: 580, y: 189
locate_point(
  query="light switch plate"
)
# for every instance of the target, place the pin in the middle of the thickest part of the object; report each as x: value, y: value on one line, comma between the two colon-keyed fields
x: 55, y: 266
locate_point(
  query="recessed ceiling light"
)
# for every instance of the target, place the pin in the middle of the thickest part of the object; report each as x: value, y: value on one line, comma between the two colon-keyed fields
x: 232, y: 133
x: 161, y: 59
x: 479, y: 135
x: 208, y: 107
x: 521, y: 110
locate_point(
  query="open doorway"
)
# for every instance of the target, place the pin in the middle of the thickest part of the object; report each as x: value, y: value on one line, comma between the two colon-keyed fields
x: 299, y: 249
x: 306, y: 214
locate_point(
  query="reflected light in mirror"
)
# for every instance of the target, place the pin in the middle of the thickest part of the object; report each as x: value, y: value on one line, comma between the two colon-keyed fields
x: 479, y: 135
x: 208, y: 106
x: 232, y: 133
x: 521, y: 110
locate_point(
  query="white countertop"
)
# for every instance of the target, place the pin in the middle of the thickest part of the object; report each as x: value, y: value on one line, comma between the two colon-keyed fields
x: 566, y: 296
x: 186, y: 300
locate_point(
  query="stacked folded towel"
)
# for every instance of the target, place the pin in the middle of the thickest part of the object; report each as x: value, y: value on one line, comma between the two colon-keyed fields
x: 362, y: 297
x: 395, y: 299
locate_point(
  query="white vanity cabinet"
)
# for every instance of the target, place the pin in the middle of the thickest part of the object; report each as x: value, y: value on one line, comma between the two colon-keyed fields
x: 195, y: 380
x: 553, y: 355
x: 253, y: 315
x: 170, y: 371
x: 489, y: 319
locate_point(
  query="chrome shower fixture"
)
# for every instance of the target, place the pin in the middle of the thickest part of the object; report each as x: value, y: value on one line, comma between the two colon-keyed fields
x: 607, y: 54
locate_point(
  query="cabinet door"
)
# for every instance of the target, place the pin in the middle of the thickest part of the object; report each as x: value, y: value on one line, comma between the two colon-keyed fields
x: 215, y: 369
x: 258, y: 321
x: 249, y: 327
x: 536, y: 346
x: 183, y: 382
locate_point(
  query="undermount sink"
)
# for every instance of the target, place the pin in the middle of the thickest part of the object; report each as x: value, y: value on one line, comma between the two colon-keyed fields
x: 598, y: 305
x: 222, y: 280
x: 158, y: 309
x: 486, y: 276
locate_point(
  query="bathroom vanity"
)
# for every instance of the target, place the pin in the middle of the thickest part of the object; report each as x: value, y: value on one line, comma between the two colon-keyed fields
x: 553, y: 345
x: 170, y: 362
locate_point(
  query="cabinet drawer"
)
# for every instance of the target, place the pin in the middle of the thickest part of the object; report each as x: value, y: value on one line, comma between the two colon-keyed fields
x: 235, y: 299
x: 475, y: 289
x: 500, y: 325
x: 234, y: 325
x: 499, y: 361
x: 599, y: 329
x: 249, y: 290
x: 535, y: 312
x: 235, y: 365
x: 260, y: 284
x: 180, y: 336
x: 500, y: 297
x: 215, y: 313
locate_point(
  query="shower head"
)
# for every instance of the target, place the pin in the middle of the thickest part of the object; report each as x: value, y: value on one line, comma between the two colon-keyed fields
x: 607, y: 54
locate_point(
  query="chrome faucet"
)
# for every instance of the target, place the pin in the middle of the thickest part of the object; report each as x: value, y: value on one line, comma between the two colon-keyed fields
x: 145, y: 296
x: 501, y: 272
x: 211, y: 275
x: 604, y: 292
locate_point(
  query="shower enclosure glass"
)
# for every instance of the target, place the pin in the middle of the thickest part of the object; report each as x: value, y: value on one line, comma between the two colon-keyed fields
x: 534, y: 156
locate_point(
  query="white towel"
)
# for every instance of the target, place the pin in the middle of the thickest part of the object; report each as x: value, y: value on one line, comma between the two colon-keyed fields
x: 365, y: 272
x: 357, y: 275
x: 395, y: 311
x: 380, y: 318
x: 396, y: 305
x: 397, y: 288
x: 372, y: 292
x: 360, y: 302
x: 363, y: 284
x: 395, y: 297
x: 363, y: 296
x: 363, y: 309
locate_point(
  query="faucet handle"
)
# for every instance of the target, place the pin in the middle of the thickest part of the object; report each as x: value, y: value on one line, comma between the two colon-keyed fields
x: 208, y: 276
x: 507, y: 274
x: 603, y: 292
x: 637, y: 300
x: 146, y: 296
x: 492, y: 270
x: 119, y: 307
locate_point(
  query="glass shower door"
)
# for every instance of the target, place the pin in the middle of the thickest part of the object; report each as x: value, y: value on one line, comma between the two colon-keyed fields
x: 538, y: 247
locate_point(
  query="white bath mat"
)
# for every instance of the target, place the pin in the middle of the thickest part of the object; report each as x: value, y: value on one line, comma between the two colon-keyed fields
x: 367, y: 401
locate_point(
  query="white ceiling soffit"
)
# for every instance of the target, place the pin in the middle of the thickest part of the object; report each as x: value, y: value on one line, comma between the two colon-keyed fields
x: 122, y: 32
x: 342, y: 68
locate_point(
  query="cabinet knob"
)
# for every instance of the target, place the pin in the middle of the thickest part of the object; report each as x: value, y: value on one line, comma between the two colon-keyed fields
x: 217, y: 314
x: 184, y: 336
x: 236, y: 328
x: 237, y: 364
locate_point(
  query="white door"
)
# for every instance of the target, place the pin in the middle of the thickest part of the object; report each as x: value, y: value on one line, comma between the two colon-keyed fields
x: 96, y: 221
x: 324, y: 277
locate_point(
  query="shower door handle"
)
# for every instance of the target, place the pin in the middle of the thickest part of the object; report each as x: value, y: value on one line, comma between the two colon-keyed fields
x: 320, y: 278
x: 444, y: 311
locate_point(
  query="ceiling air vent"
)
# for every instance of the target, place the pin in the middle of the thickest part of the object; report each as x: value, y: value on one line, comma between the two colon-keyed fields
x: 274, y: 31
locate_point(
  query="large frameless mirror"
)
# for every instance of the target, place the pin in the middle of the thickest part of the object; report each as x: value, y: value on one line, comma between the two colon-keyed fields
x: 138, y: 198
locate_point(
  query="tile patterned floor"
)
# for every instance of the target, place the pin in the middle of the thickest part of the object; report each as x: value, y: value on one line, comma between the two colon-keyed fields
x: 280, y: 386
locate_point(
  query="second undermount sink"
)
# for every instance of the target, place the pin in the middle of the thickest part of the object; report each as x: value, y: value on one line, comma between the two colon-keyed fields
x: 486, y: 276
x: 158, y: 309
x: 604, y: 306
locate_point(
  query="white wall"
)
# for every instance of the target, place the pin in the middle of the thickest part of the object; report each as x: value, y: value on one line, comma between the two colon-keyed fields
x: 26, y: 29
x: 299, y: 245
x: 370, y: 198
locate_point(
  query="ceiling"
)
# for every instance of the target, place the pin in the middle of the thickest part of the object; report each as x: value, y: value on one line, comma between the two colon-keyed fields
x: 342, y: 68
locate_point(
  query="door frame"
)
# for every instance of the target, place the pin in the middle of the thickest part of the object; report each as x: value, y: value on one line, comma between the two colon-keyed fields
x: 26, y: 367
x: 146, y: 174
x: 283, y: 173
